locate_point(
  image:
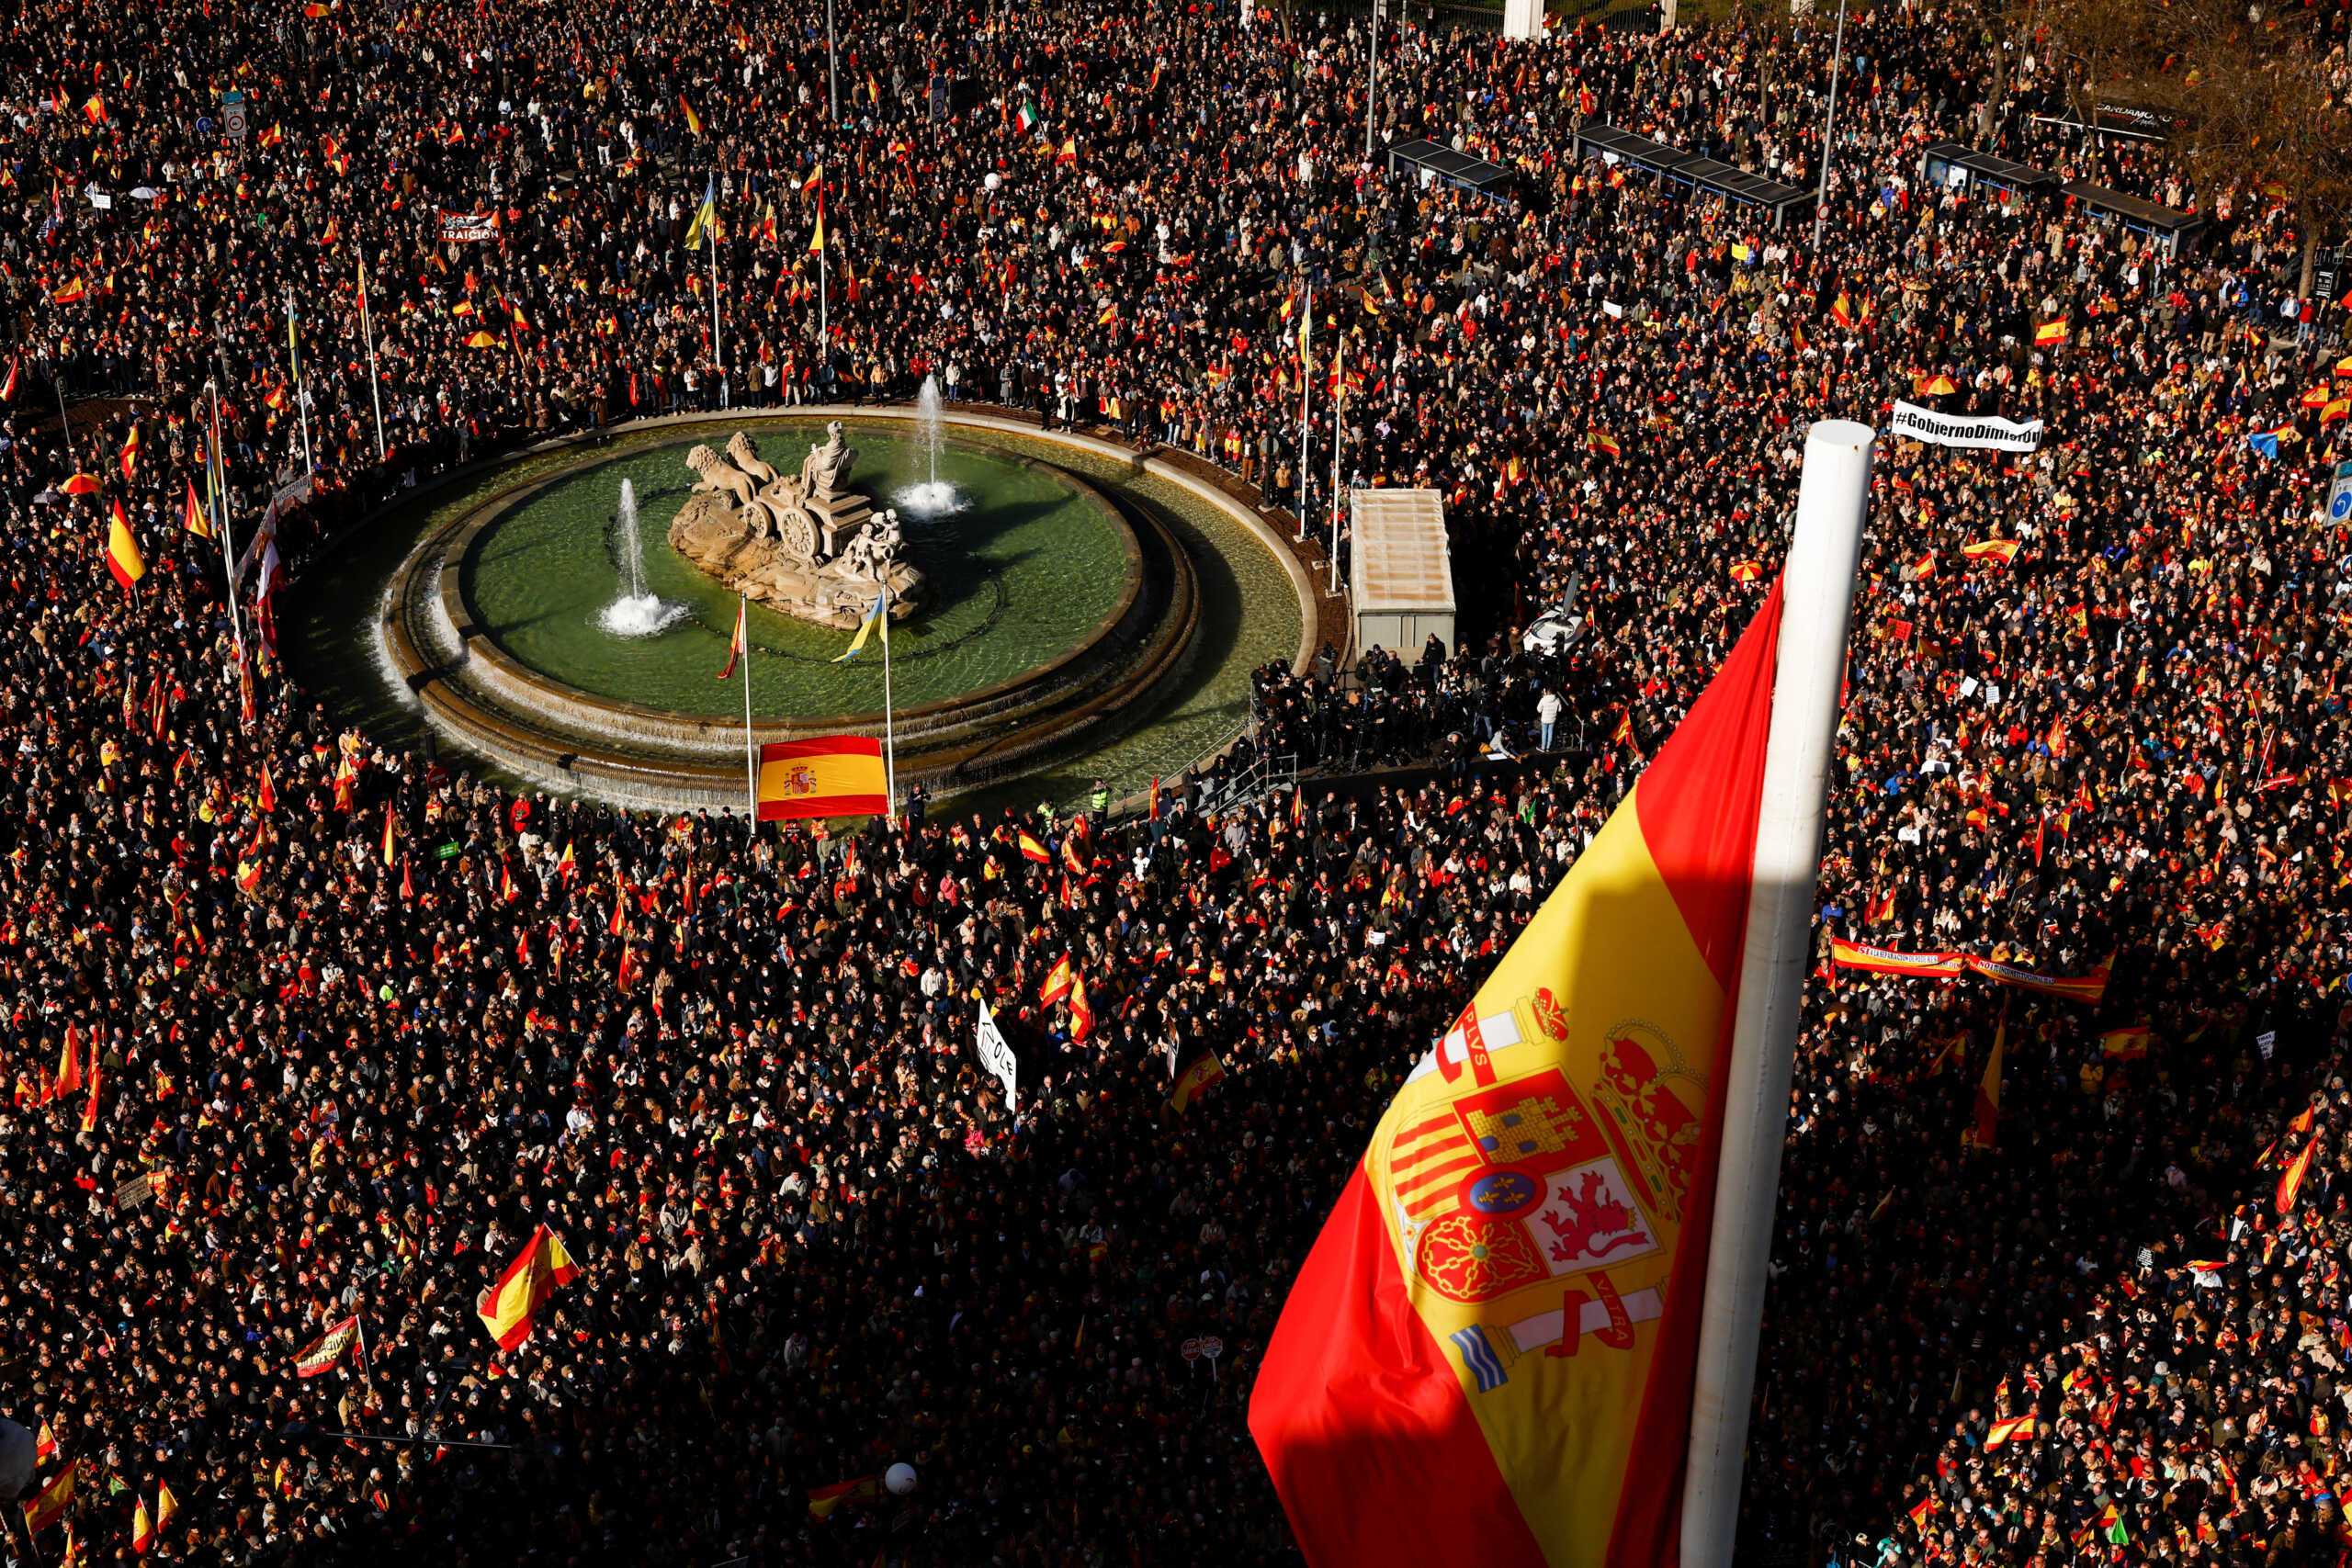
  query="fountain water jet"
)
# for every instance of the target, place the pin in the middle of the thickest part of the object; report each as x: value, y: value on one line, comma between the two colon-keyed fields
x: 932, y: 498
x: 636, y: 612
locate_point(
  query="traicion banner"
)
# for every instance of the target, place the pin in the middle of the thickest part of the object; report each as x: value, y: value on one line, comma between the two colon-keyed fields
x: 1984, y: 431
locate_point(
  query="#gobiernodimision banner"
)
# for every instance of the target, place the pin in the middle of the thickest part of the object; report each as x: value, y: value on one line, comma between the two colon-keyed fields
x: 1987, y: 432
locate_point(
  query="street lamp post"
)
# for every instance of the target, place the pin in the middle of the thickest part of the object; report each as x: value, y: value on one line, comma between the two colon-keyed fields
x: 832, y: 75
x: 1829, y: 131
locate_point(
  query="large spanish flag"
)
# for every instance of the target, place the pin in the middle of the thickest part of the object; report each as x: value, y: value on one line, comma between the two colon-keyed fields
x: 507, y: 1308
x: 1488, y: 1358
x: 837, y: 775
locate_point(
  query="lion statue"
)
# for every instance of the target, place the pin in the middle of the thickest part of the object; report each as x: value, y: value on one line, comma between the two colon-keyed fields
x: 717, y: 476
x: 746, y: 456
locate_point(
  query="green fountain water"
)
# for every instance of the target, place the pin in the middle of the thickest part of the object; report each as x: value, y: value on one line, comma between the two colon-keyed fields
x: 1019, y: 571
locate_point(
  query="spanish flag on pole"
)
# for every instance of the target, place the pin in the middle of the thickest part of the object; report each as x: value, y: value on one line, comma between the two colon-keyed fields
x: 1492, y: 1355
x: 142, y: 1530
x: 507, y: 1308
x: 833, y: 775
x: 1492, y: 1341
x: 48, y: 1505
x: 123, y: 559
x: 735, y: 643
x: 817, y: 239
x: 192, y: 517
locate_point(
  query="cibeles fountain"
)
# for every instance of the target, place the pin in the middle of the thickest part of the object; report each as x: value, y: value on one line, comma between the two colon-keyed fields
x: 803, y: 543
x: 568, y: 626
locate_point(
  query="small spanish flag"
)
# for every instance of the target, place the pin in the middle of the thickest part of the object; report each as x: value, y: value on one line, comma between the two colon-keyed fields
x: 94, y: 111
x: 123, y: 559
x: 2291, y: 1181
x: 166, y: 1506
x: 49, y: 1504
x: 45, y: 1446
x: 1058, y: 982
x: 2017, y: 1428
x: 2126, y: 1045
x: 2002, y: 550
x: 816, y: 177
x: 388, y: 832
x: 1069, y: 154
x: 824, y: 1500
x: 142, y: 1529
x: 1601, y: 441
x: 2050, y: 332
x: 1623, y: 734
x: 1988, y: 1094
x: 694, y: 120
x: 817, y: 239
x: 1033, y: 849
x: 1841, y: 309
x: 1081, y: 1011
x: 508, y: 1308
x: 192, y: 517
x: 323, y: 1355
x: 130, y: 455
x: 70, y: 292
x: 1196, y: 1080
x: 734, y: 643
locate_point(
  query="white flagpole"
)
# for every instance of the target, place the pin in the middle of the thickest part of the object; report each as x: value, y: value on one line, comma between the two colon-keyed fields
x: 375, y: 394
x: 1305, y: 400
x: 1833, y: 502
x: 301, y: 399
x: 751, y: 751
x: 890, y: 724
x: 1339, y: 403
x: 717, y: 353
x: 221, y: 520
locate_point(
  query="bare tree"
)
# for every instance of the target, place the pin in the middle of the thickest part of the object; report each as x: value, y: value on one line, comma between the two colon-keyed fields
x: 2257, y: 94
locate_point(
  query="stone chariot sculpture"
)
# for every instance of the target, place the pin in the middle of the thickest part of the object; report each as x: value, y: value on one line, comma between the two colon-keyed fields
x: 801, y: 542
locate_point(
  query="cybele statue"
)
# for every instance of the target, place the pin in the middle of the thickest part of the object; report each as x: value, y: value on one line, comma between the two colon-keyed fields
x: 803, y: 543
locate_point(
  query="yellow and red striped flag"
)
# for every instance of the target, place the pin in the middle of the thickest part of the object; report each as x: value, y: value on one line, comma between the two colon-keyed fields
x: 1987, y: 1125
x: 824, y: 1500
x: 166, y: 1506
x: 142, y: 1529
x: 735, y: 643
x: 2291, y: 1181
x: 1058, y: 982
x: 192, y: 517
x: 508, y: 1308
x: 123, y: 559
x: 323, y: 1356
x: 1194, y: 1080
x: 131, y: 456
x: 48, y: 1505
x: 832, y: 775
x: 1490, y: 1352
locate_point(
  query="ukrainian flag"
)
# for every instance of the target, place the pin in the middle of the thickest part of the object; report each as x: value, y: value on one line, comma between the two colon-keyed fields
x: 865, y: 628
x: 705, y: 216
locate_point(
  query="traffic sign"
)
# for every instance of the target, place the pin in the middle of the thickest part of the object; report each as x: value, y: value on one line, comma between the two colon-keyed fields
x: 233, y: 113
x: 1191, y: 1349
x: 2339, y: 494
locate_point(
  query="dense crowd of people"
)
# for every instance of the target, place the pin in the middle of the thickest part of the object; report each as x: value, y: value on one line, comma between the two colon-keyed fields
x: 299, y: 1028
